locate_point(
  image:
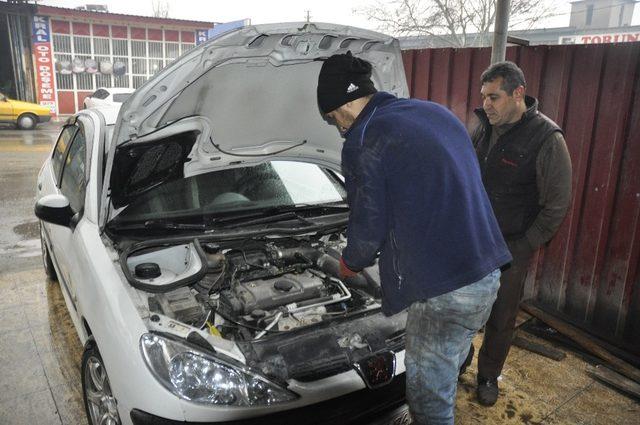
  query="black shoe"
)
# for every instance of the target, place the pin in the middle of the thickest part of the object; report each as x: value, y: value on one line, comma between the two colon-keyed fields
x: 467, y: 361
x: 487, y: 391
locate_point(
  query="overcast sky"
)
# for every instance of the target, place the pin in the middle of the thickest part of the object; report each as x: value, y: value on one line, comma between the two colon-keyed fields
x: 266, y: 11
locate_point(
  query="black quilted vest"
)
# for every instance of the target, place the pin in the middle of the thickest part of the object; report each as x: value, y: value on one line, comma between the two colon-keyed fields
x: 509, y: 169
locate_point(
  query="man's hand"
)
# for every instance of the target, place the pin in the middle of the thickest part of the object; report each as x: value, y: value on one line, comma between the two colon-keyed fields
x: 346, y: 272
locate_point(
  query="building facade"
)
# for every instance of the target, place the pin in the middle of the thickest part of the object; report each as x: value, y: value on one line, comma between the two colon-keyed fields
x: 77, y: 51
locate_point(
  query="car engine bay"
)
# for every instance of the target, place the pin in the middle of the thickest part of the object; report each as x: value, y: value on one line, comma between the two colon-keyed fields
x: 280, y: 300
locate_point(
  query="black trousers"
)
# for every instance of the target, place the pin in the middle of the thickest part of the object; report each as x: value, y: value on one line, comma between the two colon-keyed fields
x: 499, y: 329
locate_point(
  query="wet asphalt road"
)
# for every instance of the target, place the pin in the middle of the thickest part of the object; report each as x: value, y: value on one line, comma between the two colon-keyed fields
x: 39, y: 348
x: 21, y: 155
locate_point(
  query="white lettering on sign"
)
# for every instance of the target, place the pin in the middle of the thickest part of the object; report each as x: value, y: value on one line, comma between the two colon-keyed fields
x: 44, y: 74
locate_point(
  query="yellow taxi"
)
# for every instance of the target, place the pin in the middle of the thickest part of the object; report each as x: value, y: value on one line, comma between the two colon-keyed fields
x: 24, y: 114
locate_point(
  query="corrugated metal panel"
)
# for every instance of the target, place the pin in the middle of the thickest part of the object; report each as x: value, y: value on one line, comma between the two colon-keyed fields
x: 589, y: 273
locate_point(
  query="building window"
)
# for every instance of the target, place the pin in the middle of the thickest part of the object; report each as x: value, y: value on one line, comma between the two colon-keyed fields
x: 155, y: 65
x: 589, y: 14
x: 155, y: 49
x: 139, y: 66
x: 81, y: 45
x: 138, y: 62
x: 186, y: 47
x: 102, y: 52
x: 101, y: 46
x: 122, y: 80
x: 171, y: 51
x: 61, y: 43
x: 62, y: 49
x: 120, y: 47
x: 138, y: 80
x: 156, y: 54
x: 63, y: 81
x: 103, y: 80
x: 139, y: 48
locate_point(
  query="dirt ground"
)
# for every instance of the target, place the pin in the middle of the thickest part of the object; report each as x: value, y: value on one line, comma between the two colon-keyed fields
x: 538, y: 390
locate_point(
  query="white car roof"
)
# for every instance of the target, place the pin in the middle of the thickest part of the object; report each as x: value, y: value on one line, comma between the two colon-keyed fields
x: 117, y: 89
x: 110, y: 113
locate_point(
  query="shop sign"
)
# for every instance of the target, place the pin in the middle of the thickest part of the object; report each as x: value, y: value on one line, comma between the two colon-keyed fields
x: 43, y: 62
x: 616, y: 37
x: 201, y: 36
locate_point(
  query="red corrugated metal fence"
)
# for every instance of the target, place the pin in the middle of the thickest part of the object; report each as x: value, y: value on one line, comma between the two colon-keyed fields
x: 589, y: 273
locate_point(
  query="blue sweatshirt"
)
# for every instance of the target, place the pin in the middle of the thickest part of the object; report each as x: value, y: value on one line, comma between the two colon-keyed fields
x: 417, y: 200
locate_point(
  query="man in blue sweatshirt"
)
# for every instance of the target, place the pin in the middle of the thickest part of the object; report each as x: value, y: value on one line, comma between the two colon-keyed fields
x: 417, y: 201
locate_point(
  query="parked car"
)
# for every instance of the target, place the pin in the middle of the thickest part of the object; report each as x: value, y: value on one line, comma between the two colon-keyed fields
x: 106, y: 97
x: 25, y: 115
x: 196, y: 239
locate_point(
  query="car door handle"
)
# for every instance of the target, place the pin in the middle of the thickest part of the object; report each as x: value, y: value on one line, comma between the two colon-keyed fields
x: 39, y: 185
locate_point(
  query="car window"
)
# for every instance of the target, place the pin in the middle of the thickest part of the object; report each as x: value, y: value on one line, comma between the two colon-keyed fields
x: 271, y: 184
x: 61, y: 147
x: 121, y: 97
x: 100, y: 94
x: 73, y: 175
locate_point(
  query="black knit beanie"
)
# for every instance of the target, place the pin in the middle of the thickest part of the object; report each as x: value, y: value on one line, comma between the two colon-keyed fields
x: 343, y: 78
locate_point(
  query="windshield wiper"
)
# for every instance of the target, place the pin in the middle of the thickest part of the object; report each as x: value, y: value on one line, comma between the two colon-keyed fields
x: 269, y: 219
x: 278, y: 213
x: 163, y: 224
x: 160, y: 224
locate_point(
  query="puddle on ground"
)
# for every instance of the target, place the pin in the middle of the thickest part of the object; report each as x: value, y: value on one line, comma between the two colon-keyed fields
x: 28, y: 230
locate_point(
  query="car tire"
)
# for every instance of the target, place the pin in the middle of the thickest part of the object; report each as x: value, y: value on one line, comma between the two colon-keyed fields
x: 99, y: 403
x: 27, y: 122
x: 47, y: 262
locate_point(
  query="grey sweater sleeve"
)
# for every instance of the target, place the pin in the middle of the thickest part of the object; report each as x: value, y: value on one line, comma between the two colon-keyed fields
x: 553, y: 178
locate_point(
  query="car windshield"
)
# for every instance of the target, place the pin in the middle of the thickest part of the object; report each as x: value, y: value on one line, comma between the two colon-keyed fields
x: 120, y: 97
x: 272, y: 184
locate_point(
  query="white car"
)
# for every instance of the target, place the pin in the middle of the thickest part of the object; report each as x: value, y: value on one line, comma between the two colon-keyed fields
x: 106, y: 97
x: 196, y: 238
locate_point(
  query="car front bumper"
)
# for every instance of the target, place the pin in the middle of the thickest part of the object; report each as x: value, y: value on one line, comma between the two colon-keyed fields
x: 382, y: 406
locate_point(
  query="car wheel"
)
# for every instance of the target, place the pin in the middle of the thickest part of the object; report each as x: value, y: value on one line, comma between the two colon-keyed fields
x: 99, y: 402
x: 27, y: 122
x: 49, y: 270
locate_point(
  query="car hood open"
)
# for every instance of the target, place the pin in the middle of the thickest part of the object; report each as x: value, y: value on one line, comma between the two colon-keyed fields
x: 246, y: 96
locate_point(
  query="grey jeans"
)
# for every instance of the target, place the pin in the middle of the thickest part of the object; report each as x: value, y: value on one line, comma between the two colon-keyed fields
x: 439, y: 334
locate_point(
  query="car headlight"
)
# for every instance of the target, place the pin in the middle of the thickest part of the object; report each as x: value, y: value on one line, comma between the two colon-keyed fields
x: 203, y: 378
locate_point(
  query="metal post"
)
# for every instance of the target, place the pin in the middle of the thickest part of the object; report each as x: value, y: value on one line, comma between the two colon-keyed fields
x: 499, y: 48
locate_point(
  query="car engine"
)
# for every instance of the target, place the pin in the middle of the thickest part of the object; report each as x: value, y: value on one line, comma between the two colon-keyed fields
x: 244, y: 290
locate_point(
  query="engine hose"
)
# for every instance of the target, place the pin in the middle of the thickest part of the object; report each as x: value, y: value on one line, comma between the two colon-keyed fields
x: 329, y: 265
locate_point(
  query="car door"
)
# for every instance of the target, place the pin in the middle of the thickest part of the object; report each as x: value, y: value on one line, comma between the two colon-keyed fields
x: 71, y: 182
x: 6, y: 109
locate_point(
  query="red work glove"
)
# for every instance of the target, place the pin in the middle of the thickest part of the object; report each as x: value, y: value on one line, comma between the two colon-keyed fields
x: 346, y: 272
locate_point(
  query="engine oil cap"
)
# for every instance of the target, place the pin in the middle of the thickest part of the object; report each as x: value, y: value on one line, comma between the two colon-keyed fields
x: 283, y: 285
x: 258, y: 313
x: 148, y: 270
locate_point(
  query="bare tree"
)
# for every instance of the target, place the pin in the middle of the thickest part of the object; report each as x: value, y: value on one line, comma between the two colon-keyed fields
x: 160, y: 8
x: 457, y: 23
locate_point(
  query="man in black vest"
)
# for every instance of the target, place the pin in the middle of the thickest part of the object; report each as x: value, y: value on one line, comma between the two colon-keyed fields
x: 526, y: 171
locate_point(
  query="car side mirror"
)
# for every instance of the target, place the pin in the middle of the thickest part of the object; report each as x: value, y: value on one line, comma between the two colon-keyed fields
x: 54, y: 209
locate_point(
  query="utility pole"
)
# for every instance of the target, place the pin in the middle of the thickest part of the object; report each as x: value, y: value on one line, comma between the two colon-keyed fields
x: 308, y: 18
x: 499, y: 49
